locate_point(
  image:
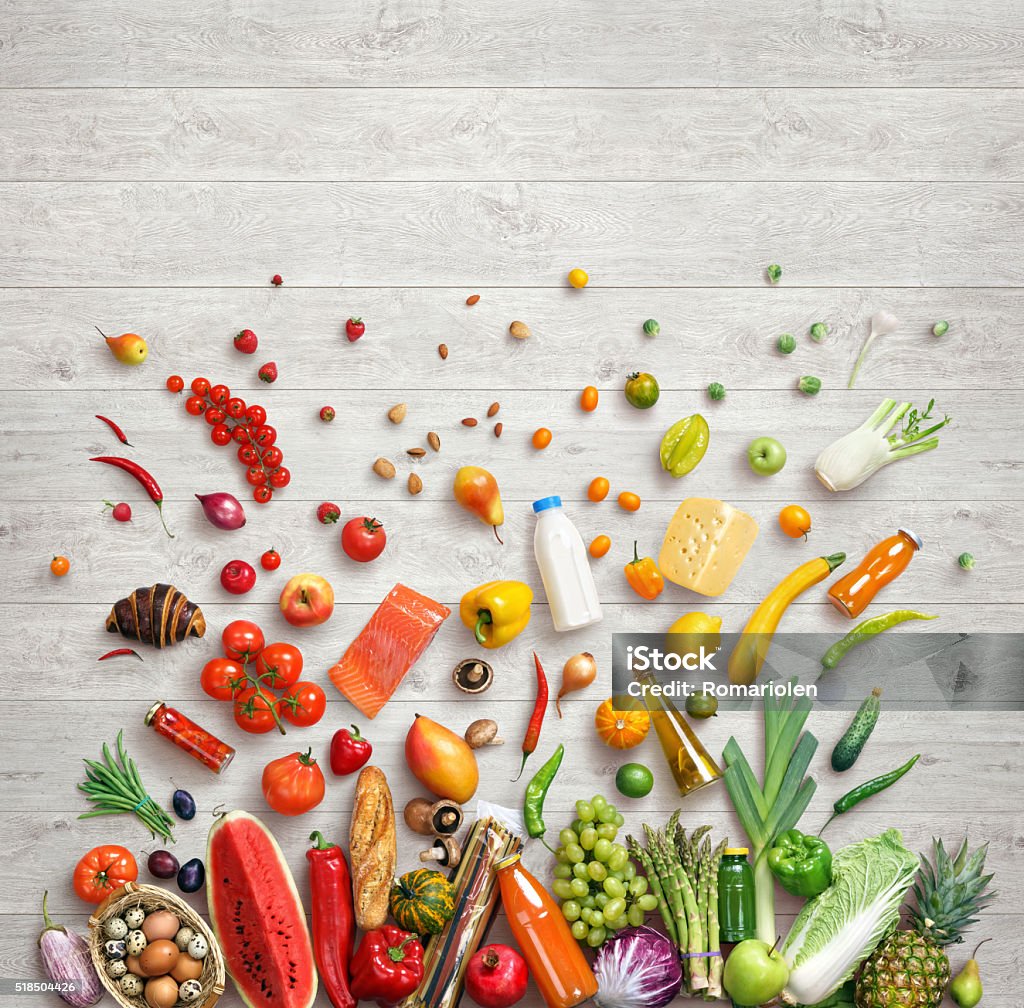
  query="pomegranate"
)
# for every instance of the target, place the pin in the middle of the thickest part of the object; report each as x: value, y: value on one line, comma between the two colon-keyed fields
x: 496, y: 977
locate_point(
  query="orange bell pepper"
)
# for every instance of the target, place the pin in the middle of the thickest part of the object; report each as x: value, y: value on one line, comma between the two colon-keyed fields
x: 643, y: 576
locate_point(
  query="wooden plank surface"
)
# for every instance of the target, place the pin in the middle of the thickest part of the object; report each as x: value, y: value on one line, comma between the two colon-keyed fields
x: 156, y: 169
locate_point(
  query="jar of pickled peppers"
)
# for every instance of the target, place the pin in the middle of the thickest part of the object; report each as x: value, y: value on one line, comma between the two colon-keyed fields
x: 189, y: 737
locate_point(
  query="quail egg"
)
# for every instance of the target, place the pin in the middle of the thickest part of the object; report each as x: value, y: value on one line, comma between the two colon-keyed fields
x: 198, y: 946
x: 114, y: 949
x: 182, y: 938
x: 134, y: 918
x: 131, y: 985
x: 116, y: 968
x: 135, y: 943
x: 190, y: 990
x: 115, y: 928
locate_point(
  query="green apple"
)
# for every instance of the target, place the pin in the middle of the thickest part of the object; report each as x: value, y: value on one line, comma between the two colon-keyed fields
x: 755, y: 972
x: 766, y: 456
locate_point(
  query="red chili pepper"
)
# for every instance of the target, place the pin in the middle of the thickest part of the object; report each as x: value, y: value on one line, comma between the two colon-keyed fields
x: 150, y: 485
x: 121, y: 436
x: 532, y: 736
x: 333, y: 918
x: 119, y: 651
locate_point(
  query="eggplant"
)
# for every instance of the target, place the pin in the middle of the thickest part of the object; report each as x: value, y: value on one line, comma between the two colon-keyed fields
x: 66, y: 960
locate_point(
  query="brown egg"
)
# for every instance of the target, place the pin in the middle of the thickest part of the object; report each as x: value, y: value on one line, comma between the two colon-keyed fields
x: 132, y: 962
x: 160, y: 924
x: 187, y: 968
x: 159, y: 957
x: 161, y: 992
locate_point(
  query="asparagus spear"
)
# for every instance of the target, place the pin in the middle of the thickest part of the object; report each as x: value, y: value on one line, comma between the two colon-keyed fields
x: 694, y: 939
x: 654, y: 882
x: 717, y: 963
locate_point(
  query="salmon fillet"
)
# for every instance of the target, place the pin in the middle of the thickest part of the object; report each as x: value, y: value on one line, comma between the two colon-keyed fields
x: 386, y: 648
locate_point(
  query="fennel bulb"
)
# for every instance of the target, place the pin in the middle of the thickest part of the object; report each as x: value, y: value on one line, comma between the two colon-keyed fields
x: 882, y: 323
x: 846, y: 463
x: 839, y: 929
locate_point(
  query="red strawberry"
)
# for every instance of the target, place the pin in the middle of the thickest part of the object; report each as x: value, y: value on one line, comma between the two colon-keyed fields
x: 354, y: 328
x: 328, y: 513
x: 268, y: 373
x: 276, y: 280
x: 246, y: 342
x: 327, y: 414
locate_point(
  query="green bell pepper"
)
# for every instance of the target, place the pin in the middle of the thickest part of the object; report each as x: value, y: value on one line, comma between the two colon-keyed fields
x: 802, y: 864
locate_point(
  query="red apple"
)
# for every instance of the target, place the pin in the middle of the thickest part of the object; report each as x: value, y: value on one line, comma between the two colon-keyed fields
x: 307, y: 600
x: 237, y: 577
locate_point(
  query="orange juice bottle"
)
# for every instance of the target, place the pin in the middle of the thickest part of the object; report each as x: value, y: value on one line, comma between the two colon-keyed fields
x: 556, y: 961
x: 882, y: 564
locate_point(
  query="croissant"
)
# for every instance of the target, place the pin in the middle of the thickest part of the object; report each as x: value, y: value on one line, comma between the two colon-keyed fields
x: 160, y: 616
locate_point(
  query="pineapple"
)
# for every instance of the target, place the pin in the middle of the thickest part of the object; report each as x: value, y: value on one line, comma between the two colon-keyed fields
x: 909, y: 968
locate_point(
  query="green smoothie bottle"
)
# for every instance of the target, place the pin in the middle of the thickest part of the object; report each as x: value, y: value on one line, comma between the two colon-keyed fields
x: 735, y: 896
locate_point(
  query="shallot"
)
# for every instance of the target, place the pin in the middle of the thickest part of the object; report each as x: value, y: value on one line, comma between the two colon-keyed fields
x: 579, y: 672
x: 222, y: 510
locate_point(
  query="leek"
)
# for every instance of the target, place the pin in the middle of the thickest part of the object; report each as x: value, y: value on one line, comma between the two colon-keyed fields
x: 768, y: 809
x: 848, y: 462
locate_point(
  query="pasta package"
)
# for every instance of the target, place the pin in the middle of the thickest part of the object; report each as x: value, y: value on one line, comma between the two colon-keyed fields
x: 447, y: 954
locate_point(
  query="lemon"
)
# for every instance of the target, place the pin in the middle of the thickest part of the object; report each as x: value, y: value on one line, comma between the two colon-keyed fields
x: 578, y: 278
x: 689, y: 632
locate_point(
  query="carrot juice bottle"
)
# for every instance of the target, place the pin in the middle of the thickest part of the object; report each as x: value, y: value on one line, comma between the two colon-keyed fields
x: 882, y: 564
x: 556, y: 961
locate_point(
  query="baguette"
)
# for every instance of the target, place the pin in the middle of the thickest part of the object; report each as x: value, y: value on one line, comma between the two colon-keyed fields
x: 372, y: 848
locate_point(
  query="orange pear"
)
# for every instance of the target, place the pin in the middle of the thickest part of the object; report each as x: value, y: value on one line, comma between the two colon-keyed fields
x: 477, y: 491
x: 127, y: 348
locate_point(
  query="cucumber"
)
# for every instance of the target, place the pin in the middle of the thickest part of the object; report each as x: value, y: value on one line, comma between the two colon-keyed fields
x: 848, y: 748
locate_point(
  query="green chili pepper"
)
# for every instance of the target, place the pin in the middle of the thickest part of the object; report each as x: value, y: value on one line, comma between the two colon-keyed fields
x: 536, y: 792
x: 865, y: 631
x: 867, y: 789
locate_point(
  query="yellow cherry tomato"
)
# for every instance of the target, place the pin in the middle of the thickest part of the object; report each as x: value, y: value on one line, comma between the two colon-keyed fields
x: 598, y: 489
x: 588, y: 399
x: 600, y: 546
x: 59, y: 566
x: 794, y: 521
x: 629, y: 501
x: 578, y: 278
x: 541, y: 438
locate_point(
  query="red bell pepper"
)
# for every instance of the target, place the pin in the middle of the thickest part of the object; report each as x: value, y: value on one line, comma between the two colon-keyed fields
x: 387, y: 966
x: 349, y: 752
x: 333, y: 918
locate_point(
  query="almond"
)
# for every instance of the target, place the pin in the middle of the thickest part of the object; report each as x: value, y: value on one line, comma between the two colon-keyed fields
x: 384, y: 469
x: 442, y: 351
x: 470, y: 421
x: 520, y: 330
x: 493, y: 409
x: 415, y: 484
x: 397, y: 413
x: 472, y: 299
x: 433, y: 440
x: 498, y: 428
x: 416, y: 452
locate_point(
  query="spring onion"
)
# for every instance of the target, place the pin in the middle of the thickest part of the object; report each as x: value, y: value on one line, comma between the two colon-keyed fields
x: 848, y: 462
x: 882, y: 323
x: 768, y: 809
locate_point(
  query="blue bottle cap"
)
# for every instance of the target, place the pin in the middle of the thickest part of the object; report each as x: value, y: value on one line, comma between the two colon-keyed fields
x: 546, y: 502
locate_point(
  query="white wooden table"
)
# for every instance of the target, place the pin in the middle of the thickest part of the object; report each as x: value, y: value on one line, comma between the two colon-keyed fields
x: 157, y: 168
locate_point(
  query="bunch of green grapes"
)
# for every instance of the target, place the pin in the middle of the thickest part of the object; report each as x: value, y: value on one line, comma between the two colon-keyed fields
x: 595, y: 880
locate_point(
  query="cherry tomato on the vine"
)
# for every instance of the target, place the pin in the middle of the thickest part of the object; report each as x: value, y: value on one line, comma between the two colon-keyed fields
x: 270, y: 560
x: 254, y: 712
x: 280, y: 477
x: 272, y: 457
x: 240, y: 433
x: 196, y: 405
x: 256, y: 415
x: 215, y: 415
x: 220, y: 434
x: 175, y: 383
x: 235, y: 408
x: 265, y: 435
x: 256, y: 475
x: 222, y: 678
x: 200, y: 386
x: 262, y: 494
x: 220, y: 394
x: 248, y: 455
x: 242, y: 640
x: 279, y: 665
x: 303, y: 704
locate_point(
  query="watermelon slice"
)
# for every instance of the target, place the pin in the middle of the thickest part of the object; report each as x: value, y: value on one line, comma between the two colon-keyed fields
x: 257, y: 915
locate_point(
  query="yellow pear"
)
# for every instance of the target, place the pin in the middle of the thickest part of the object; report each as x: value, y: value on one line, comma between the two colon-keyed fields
x: 127, y: 348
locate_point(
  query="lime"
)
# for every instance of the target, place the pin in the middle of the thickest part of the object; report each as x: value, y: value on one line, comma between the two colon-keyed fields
x: 702, y: 705
x: 634, y: 780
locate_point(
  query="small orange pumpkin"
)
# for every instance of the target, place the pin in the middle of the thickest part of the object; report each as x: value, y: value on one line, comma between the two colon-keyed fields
x: 621, y: 729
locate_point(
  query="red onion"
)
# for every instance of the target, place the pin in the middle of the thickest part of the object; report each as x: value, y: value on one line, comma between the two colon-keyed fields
x: 222, y: 510
x: 66, y: 960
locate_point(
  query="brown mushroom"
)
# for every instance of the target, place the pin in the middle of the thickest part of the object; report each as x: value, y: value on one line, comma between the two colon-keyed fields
x: 445, y: 851
x: 483, y: 732
x: 473, y: 675
x: 445, y: 817
x: 418, y: 815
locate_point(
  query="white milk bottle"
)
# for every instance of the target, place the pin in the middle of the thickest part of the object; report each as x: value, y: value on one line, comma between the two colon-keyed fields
x: 564, y: 568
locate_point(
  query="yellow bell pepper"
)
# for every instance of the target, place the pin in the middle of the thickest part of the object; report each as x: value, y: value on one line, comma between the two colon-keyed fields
x: 497, y: 611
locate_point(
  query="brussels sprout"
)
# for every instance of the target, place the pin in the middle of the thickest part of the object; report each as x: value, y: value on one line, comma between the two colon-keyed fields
x: 774, y: 272
x: 940, y: 328
x: 819, y: 331
x: 716, y: 390
x: 966, y: 560
x: 786, y: 343
x: 651, y: 327
x: 809, y: 385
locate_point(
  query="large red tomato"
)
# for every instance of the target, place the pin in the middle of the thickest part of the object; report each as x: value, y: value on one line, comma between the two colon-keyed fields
x: 363, y: 539
x: 293, y: 784
x: 104, y: 870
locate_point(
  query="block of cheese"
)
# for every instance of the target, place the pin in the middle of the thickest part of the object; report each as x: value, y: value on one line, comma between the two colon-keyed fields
x: 705, y: 545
